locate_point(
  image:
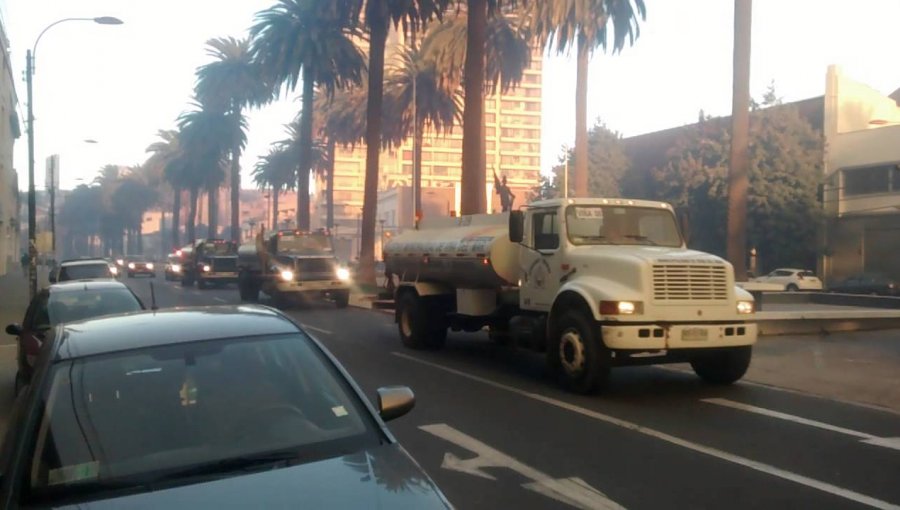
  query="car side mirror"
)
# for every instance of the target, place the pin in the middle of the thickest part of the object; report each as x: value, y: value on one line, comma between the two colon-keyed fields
x: 14, y: 329
x: 52, y: 278
x: 395, y: 401
x: 516, y: 226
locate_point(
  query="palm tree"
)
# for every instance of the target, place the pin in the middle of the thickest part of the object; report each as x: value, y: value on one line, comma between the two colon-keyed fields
x: 501, y: 51
x: 164, y: 160
x: 312, y: 39
x: 205, y: 138
x: 423, y: 99
x: 111, y: 225
x: 131, y: 199
x: 230, y: 83
x: 276, y: 171
x: 584, y: 24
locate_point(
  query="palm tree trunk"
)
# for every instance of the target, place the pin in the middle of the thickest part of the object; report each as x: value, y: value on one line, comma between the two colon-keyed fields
x: 473, y: 199
x: 236, y: 185
x: 140, y: 237
x: 212, y: 204
x: 275, y: 192
x: 417, y: 168
x: 306, y: 125
x: 192, y: 214
x: 738, y: 182
x: 379, y: 24
x: 329, y: 182
x: 176, y: 220
x: 581, y: 149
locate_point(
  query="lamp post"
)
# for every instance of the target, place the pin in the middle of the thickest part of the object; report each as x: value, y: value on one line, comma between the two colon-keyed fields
x: 29, y: 78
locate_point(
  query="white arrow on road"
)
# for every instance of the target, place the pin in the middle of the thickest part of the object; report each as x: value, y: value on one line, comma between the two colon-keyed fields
x: 572, y: 491
x: 886, y: 442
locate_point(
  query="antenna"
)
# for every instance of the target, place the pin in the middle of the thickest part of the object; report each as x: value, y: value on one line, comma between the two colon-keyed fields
x: 153, y: 305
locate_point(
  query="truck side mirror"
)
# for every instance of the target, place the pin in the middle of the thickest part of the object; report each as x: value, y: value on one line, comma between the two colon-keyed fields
x: 516, y: 226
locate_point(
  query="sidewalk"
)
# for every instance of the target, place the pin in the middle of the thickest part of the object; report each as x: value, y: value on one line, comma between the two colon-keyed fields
x: 13, y: 303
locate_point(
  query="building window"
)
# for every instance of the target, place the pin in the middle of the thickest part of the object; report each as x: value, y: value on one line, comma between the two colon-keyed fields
x: 869, y: 180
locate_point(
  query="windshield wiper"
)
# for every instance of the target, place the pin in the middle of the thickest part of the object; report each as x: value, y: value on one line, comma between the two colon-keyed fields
x: 233, y: 464
x: 641, y: 238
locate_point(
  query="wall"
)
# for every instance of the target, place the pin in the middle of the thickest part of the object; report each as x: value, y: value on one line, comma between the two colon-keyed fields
x: 9, y: 194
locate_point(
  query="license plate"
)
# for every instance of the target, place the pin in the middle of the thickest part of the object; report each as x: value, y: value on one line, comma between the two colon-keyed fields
x: 694, y: 335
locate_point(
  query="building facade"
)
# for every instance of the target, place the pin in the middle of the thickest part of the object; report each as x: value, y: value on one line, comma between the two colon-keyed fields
x: 9, y: 184
x: 861, y: 196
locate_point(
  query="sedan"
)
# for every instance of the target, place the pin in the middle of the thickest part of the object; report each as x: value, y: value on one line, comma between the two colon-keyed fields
x: 209, y: 407
x: 868, y: 283
x: 138, y: 265
x: 792, y: 280
x: 65, y: 302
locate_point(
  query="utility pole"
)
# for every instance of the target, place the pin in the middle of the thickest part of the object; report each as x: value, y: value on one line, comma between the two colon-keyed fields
x: 738, y: 181
x: 32, y: 248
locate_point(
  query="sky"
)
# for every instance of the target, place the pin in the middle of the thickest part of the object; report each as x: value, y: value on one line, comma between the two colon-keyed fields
x: 119, y: 85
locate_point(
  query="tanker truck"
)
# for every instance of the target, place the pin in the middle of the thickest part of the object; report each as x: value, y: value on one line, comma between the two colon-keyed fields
x: 592, y: 283
x: 292, y: 264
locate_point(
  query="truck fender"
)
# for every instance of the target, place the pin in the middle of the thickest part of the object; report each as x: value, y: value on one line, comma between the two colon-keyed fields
x: 592, y: 290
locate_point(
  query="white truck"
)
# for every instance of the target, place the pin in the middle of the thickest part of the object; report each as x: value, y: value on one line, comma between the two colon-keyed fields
x: 595, y: 283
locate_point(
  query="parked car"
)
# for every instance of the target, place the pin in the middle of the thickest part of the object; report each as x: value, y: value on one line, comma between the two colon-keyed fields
x: 82, y: 269
x: 65, y: 302
x: 173, y: 268
x: 868, y: 283
x: 792, y: 279
x: 139, y: 265
x: 216, y: 407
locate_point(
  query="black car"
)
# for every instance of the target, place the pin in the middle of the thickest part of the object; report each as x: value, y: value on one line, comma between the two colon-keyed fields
x: 868, y: 283
x: 209, y: 407
x: 65, y: 302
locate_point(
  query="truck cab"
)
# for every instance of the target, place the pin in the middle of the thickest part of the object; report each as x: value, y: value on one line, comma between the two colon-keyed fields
x: 595, y: 283
x: 209, y: 262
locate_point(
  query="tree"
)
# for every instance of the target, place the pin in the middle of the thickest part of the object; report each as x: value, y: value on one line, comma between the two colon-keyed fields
x: 230, y: 83
x: 545, y: 189
x: 166, y: 157
x: 584, y: 24
x: 606, y: 162
x: 501, y: 51
x: 422, y: 99
x: 313, y: 39
x: 132, y: 198
x: 79, y: 219
x: 785, y: 164
x: 276, y: 171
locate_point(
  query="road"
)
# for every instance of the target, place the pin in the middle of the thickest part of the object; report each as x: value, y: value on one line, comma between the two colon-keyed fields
x: 495, y: 433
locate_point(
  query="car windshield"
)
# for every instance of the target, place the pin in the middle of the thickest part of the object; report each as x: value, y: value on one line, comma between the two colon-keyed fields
x: 84, y: 271
x: 86, y: 304
x: 595, y: 224
x: 152, y: 414
x: 303, y: 244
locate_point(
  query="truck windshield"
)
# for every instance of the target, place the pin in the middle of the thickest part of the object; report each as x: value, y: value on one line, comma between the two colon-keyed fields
x: 221, y: 249
x: 607, y: 224
x: 303, y: 244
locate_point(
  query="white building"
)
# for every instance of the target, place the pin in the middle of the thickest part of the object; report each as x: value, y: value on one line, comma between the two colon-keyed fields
x: 9, y: 186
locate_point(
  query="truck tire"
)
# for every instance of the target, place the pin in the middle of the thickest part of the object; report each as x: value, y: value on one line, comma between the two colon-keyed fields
x: 416, y: 330
x: 342, y: 298
x: 723, y: 366
x: 577, y: 354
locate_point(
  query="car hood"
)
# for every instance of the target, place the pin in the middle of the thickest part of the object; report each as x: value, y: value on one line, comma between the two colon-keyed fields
x: 384, y: 477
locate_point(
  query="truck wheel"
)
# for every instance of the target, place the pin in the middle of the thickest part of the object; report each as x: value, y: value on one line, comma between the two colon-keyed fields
x: 416, y: 330
x: 342, y: 298
x: 578, y: 355
x: 723, y: 366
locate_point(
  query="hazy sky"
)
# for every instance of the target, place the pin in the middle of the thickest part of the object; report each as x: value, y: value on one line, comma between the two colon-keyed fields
x: 120, y: 84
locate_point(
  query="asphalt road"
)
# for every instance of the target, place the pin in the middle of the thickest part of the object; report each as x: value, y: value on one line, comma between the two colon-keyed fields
x: 495, y: 433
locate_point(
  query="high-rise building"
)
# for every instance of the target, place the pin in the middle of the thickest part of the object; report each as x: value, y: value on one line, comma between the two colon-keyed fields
x: 512, y: 124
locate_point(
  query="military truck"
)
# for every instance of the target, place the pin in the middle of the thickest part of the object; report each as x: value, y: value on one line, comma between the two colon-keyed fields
x: 593, y: 283
x: 292, y: 264
x: 209, y: 262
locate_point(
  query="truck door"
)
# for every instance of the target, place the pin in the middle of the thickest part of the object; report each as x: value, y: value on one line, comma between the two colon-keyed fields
x: 540, y: 260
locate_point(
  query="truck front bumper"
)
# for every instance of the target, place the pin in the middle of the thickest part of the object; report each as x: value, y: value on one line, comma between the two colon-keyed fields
x: 678, y: 336
x: 321, y: 286
x: 219, y: 277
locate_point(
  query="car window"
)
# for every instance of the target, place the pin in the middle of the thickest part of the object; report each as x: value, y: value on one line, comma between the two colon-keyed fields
x: 159, y: 410
x: 78, y: 305
x: 84, y: 271
x: 807, y: 274
x: 39, y: 317
x: 781, y: 272
x: 546, y: 231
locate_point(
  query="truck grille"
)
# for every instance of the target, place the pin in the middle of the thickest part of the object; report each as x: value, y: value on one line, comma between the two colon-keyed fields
x: 224, y: 264
x: 314, y: 269
x: 690, y: 282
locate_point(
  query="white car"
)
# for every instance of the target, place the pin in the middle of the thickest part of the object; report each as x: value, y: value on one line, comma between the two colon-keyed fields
x: 792, y: 280
x: 83, y: 269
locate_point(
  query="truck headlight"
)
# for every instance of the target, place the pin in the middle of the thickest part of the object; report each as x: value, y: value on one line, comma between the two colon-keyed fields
x: 206, y: 268
x: 621, y: 308
x: 131, y: 265
x: 744, y: 307
x: 120, y: 261
x: 149, y: 265
x: 287, y: 275
x: 343, y: 273
x: 114, y: 270
x: 176, y: 268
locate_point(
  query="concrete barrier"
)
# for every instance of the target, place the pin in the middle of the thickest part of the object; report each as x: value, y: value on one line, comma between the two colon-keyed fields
x: 825, y: 321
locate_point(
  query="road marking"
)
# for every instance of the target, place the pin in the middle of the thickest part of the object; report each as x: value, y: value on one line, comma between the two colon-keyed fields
x: 572, y: 491
x: 887, y: 442
x: 707, y: 450
x: 317, y: 330
x: 220, y: 300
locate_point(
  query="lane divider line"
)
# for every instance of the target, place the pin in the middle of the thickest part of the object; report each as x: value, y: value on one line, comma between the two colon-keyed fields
x: 317, y: 330
x: 699, y: 448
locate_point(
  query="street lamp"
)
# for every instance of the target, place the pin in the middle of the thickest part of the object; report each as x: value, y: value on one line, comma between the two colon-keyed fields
x: 29, y: 74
